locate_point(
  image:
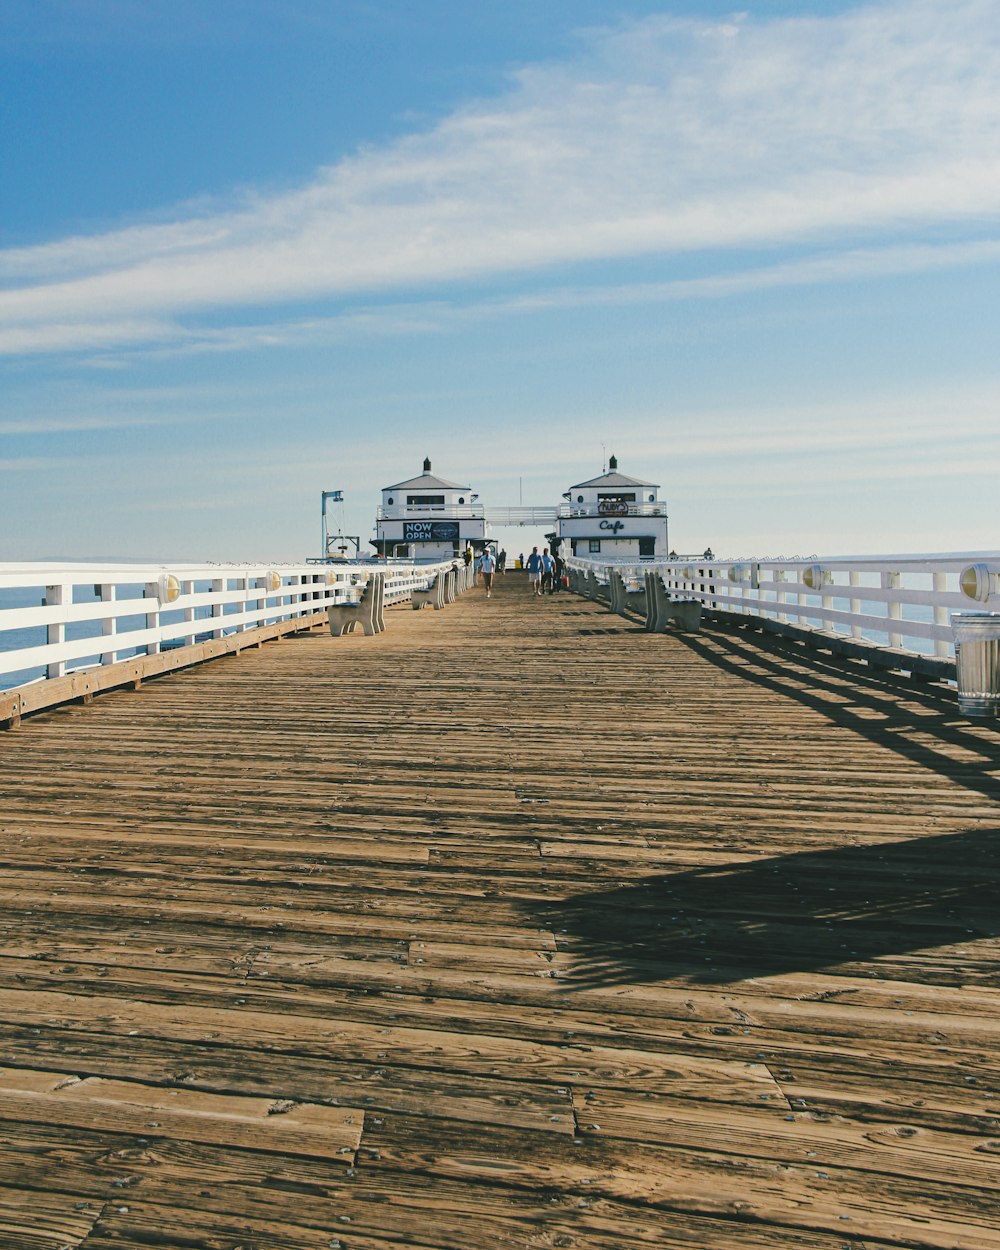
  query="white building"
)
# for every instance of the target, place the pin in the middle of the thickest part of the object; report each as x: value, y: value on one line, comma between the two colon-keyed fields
x: 429, y: 518
x: 614, y: 517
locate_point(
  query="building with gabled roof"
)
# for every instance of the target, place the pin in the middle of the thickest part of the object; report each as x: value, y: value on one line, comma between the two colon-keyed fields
x: 613, y: 517
x: 429, y: 518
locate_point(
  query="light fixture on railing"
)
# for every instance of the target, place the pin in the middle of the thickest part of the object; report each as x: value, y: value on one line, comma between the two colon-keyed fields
x: 272, y: 580
x: 168, y: 588
x: 977, y: 582
x: 739, y: 573
x: 816, y: 578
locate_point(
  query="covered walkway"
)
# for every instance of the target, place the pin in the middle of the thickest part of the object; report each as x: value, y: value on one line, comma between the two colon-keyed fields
x: 513, y: 926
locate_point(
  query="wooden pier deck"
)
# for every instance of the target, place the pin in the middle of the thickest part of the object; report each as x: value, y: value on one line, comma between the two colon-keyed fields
x: 512, y: 927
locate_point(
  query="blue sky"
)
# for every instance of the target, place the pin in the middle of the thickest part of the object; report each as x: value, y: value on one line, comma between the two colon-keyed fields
x: 254, y: 249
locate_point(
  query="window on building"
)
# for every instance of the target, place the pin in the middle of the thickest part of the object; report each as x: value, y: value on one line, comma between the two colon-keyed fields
x: 427, y: 499
x: 595, y: 546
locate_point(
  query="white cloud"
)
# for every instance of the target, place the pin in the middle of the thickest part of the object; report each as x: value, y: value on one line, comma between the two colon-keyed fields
x: 164, y: 338
x: 83, y: 335
x: 30, y: 464
x: 70, y: 425
x: 662, y: 136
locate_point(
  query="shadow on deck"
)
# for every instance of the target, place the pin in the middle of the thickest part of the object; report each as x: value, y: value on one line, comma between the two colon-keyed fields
x: 794, y: 913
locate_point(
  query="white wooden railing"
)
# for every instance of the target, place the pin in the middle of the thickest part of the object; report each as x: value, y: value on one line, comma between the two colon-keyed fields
x: 56, y: 619
x: 901, y: 603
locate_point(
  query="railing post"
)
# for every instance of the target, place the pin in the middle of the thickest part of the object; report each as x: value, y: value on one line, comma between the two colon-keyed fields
x: 243, y: 584
x: 55, y: 634
x: 780, y: 596
x: 187, y: 588
x: 218, y: 586
x: 826, y: 607
x: 151, y: 594
x: 894, y: 609
x: 855, y: 580
x: 108, y: 594
x: 940, y: 586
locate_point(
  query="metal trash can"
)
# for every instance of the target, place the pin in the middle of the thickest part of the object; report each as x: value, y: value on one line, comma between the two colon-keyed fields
x: 977, y: 660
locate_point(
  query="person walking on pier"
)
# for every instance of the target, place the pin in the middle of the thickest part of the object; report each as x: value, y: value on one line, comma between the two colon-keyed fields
x: 548, y: 570
x: 489, y: 567
x: 535, y: 571
x: 502, y: 562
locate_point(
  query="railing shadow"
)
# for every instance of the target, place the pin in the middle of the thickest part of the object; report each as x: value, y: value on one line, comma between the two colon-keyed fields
x: 938, y: 738
x: 791, y: 913
x: 817, y: 909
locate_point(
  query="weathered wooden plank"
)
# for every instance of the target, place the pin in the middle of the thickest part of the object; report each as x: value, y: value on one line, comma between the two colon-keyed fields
x: 709, y: 1185
x: 375, y: 1086
x: 38, y: 1219
x: 132, y: 1107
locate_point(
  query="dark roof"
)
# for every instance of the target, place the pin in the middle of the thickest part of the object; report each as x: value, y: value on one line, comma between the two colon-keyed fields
x: 614, y: 479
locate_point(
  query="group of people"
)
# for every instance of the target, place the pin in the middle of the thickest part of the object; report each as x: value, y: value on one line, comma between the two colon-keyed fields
x: 545, y: 571
x: 545, y: 568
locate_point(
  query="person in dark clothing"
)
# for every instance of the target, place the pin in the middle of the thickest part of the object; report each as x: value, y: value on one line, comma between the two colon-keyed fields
x: 557, y: 571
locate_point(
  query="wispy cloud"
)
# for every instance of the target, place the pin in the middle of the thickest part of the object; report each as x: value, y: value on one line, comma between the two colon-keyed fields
x: 30, y: 464
x: 661, y: 136
x: 86, y: 334
x: 70, y: 425
x: 437, y: 316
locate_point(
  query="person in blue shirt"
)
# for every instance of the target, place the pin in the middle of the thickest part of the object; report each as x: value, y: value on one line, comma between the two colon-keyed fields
x: 488, y: 565
x: 535, y: 571
x: 548, y: 571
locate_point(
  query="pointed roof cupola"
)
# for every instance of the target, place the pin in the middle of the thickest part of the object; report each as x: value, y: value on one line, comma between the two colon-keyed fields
x: 612, y: 479
x: 427, y: 464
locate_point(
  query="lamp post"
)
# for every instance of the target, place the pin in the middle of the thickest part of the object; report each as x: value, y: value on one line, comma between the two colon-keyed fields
x: 335, y: 496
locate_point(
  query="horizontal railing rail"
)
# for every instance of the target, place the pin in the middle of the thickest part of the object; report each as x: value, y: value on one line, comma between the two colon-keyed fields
x: 569, y: 510
x: 56, y: 619
x: 900, y: 603
x: 522, y: 514
x: 411, y: 511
